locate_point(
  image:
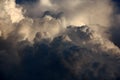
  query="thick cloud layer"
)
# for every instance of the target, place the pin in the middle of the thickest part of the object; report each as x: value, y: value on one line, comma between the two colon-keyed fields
x: 77, y: 12
x: 58, y: 40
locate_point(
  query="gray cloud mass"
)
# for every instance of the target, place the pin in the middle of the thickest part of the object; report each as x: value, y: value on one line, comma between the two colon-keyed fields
x: 59, y: 40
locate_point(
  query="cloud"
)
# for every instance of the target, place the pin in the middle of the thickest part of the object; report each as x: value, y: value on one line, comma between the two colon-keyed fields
x: 97, y: 14
x: 76, y: 12
x: 14, y: 13
x: 58, y: 40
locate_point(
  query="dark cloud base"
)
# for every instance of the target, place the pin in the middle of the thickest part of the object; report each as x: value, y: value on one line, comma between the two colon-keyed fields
x: 58, y: 60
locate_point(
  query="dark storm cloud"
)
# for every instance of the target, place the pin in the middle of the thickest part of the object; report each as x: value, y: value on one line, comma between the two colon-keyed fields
x: 58, y: 60
x: 9, y: 59
x: 47, y: 49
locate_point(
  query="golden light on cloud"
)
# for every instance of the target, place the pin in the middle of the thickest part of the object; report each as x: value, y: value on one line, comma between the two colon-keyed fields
x: 45, y: 3
x: 14, y: 13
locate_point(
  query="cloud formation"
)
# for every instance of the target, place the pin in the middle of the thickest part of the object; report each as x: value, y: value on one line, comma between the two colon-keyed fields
x: 76, y: 12
x: 57, y: 40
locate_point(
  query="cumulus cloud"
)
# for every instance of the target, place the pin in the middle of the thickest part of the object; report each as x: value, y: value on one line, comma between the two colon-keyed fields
x: 12, y: 10
x: 77, y: 12
x: 57, y: 40
x: 97, y: 14
x: 25, y: 27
